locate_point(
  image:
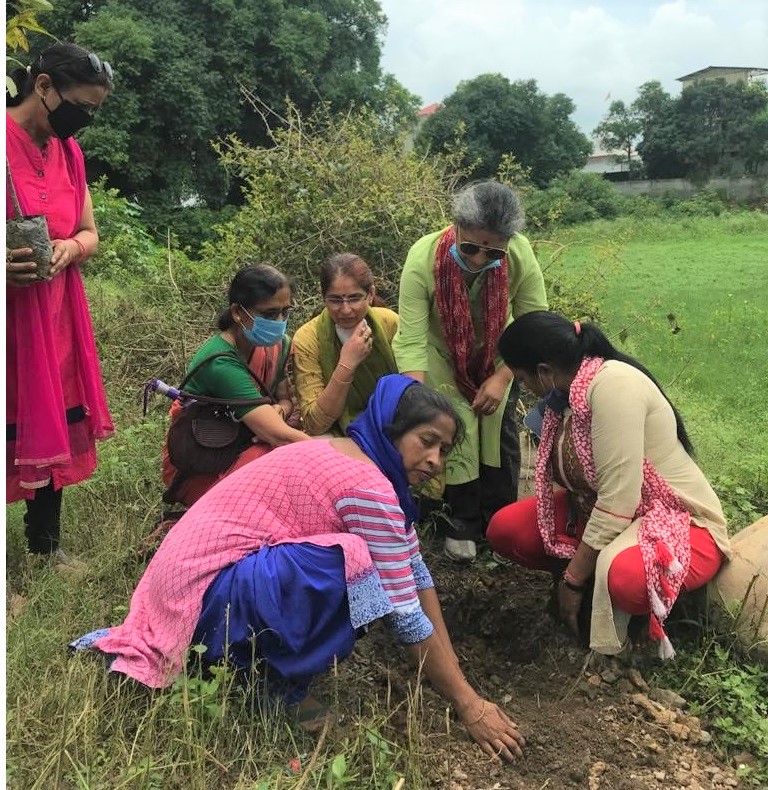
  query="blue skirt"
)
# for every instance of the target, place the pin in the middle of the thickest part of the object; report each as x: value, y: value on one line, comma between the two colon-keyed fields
x: 285, y: 605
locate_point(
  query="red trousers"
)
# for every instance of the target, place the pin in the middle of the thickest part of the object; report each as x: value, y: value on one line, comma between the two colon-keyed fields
x: 513, y: 533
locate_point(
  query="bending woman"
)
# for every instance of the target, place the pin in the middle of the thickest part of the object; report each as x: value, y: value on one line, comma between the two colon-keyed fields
x: 252, y: 341
x: 636, y: 516
x: 56, y: 407
x: 286, y: 558
x: 340, y: 355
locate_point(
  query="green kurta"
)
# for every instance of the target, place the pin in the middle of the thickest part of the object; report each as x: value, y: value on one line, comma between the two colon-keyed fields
x: 420, y: 345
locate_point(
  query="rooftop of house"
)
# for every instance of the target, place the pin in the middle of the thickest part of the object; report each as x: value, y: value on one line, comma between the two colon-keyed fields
x: 429, y: 109
x: 754, y: 71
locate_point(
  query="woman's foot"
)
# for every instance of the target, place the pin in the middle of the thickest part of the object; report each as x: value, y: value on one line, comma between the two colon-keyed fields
x: 460, y: 550
x: 310, y: 715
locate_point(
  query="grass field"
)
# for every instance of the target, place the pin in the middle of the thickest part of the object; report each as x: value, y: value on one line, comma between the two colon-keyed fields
x: 69, y: 727
x: 690, y: 300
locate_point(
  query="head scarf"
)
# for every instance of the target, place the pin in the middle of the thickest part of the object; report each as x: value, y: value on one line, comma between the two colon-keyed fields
x: 367, y: 431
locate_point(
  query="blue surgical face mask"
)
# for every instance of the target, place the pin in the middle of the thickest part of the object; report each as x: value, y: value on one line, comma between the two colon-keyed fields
x: 265, y: 331
x: 457, y: 257
x: 557, y: 400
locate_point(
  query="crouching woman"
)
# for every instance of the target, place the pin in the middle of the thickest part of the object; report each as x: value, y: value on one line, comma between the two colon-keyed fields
x: 285, y: 559
x: 634, y: 515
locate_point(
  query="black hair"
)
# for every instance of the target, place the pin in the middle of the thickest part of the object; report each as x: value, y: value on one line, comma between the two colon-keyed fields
x: 250, y: 286
x: 543, y: 337
x: 418, y: 405
x: 67, y: 65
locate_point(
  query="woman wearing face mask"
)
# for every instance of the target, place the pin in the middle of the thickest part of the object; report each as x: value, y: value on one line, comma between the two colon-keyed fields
x: 339, y: 355
x: 459, y: 288
x: 252, y: 340
x: 281, y: 564
x: 635, y: 517
x: 56, y: 406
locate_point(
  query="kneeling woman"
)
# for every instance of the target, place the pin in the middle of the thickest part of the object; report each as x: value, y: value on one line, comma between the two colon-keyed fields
x: 244, y: 359
x: 286, y: 558
x: 635, y: 511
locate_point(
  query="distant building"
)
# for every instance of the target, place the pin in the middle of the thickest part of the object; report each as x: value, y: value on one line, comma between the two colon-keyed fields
x: 612, y: 165
x: 421, y: 116
x: 727, y: 73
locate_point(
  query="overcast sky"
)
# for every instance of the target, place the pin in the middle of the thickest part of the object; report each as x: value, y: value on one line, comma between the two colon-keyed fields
x: 594, y: 52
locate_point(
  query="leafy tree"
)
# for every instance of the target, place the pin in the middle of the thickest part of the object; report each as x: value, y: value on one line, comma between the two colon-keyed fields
x: 21, y: 19
x: 661, y: 147
x: 713, y: 128
x: 508, y: 117
x: 619, y: 129
x: 181, y: 69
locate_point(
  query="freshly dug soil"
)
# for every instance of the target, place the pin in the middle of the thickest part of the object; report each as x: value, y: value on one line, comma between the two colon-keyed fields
x: 587, y: 726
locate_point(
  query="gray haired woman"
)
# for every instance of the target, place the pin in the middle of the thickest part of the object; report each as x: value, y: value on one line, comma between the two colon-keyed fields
x: 459, y: 289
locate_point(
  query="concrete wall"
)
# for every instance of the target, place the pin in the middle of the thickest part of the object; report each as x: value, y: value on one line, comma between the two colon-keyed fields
x: 733, y: 188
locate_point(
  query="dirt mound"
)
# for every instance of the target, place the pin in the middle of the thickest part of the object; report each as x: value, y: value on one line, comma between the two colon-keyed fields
x: 594, y: 728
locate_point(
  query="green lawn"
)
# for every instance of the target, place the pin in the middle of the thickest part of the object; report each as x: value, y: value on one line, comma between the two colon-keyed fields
x: 689, y: 298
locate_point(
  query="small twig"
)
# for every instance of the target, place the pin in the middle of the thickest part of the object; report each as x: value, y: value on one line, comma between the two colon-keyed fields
x: 578, y: 677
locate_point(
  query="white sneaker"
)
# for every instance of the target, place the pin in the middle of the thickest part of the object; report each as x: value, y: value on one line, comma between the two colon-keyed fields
x: 460, y: 550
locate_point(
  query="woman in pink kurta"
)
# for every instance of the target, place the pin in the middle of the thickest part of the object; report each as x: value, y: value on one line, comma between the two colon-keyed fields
x: 56, y: 406
x: 283, y: 560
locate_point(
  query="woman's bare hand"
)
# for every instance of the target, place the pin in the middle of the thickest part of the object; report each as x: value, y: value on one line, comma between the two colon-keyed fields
x: 20, y: 272
x: 496, y: 734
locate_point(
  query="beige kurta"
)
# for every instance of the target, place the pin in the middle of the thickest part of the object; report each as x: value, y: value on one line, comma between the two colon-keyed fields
x: 632, y: 420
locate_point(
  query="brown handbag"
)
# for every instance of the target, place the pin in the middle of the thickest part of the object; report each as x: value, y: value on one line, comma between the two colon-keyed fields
x: 205, y: 438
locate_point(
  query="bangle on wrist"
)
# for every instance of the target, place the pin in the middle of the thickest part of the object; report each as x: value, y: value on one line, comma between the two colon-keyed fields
x: 341, y: 381
x: 571, y: 582
x: 282, y: 410
x: 479, y: 718
x: 346, y: 367
x: 80, y: 247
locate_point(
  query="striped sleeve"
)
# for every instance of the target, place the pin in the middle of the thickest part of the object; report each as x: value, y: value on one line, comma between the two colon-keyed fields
x: 377, y: 518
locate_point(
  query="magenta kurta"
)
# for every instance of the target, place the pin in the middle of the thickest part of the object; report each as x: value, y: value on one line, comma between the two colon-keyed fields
x: 56, y: 406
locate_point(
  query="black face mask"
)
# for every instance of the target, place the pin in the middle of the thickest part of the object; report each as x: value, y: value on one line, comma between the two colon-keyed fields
x: 67, y: 118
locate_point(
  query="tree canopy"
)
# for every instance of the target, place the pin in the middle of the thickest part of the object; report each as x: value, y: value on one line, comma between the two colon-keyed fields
x: 713, y: 128
x: 179, y: 68
x: 619, y: 129
x: 501, y: 117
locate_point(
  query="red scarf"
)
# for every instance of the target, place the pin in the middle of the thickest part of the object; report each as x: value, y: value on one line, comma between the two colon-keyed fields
x: 470, y: 368
x: 664, y: 535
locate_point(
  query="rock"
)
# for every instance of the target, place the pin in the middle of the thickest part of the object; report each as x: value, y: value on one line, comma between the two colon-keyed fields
x: 594, y: 680
x: 636, y: 679
x: 705, y: 737
x: 668, y: 698
x: 680, y: 731
x: 609, y: 676
x: 459, y: 774
x: 740, y: 589
x: 660, y: 775
x: 744, y: 758
x: 506, y: 699
x: 729, y: 781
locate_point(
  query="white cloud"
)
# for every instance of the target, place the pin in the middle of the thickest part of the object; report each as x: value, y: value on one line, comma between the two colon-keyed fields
x: 585, y: 50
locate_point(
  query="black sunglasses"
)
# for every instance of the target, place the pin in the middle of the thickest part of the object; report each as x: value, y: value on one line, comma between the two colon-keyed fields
x: 491, y: 253
x: 97, y: 64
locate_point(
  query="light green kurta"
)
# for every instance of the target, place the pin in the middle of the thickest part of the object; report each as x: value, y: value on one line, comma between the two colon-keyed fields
x: 420, y: 344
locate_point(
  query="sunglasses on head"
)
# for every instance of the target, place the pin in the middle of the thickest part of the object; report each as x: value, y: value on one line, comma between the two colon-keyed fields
x: 491, y: 253
x: 97, y: 64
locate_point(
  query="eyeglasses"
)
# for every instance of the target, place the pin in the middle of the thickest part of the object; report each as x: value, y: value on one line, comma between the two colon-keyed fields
x: 97, y: 64
x: 277, y: 314
x: 491, y: 253
x: 340, y: 301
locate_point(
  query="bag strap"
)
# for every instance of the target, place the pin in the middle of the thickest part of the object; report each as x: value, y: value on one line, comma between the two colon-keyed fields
x: 18, y: 214
x: 268, y: 398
